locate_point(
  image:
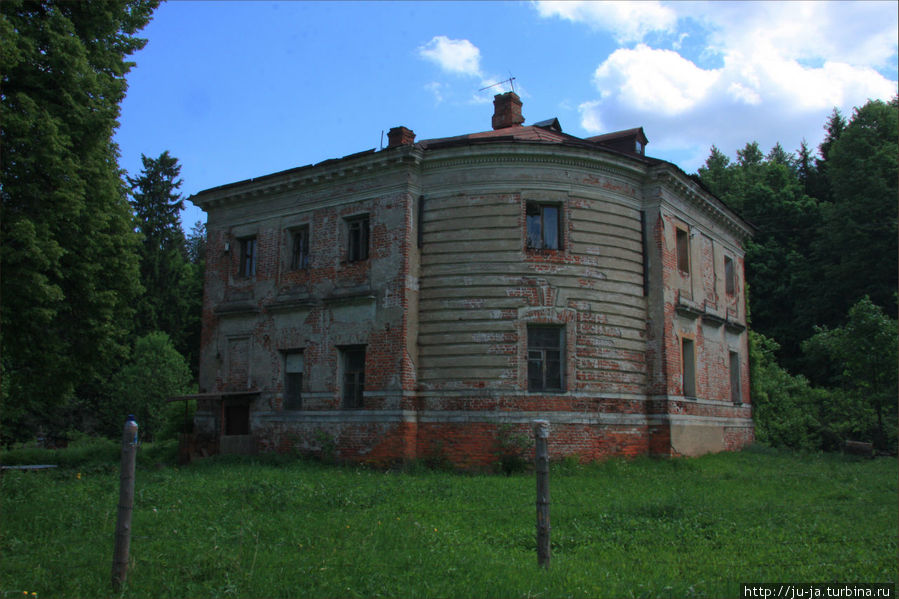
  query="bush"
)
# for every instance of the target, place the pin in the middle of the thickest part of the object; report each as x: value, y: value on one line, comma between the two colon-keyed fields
x: 864, y: 353
x: 511, y: 449
x: 155, y: 372
x: 785, y: 407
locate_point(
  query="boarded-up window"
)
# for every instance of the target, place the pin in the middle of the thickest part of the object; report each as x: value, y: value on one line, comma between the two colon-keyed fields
x: 357, y: 239
x: 353, y: 376
x: 688, y: 359
x: 293, y: 381
x: 545, y: 358
x: 683, y: 251
x: 730, y: 281
x: 543, y: 226
x: 238, y: 363
x: 736, y: 389
x: 299, y: 249
x: 247, y: 257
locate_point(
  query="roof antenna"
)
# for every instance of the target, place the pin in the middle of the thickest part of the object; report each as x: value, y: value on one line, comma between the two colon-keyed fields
x: 382, y: 139
x: 510, y: 81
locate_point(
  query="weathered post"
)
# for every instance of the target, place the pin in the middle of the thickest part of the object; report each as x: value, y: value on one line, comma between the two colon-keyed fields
x: 541, y: 458
x: 126, y: 504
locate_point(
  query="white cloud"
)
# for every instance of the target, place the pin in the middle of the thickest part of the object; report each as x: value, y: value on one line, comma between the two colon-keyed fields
x: 627, y: 21
x: 434, y: 88
x: 455, y: 56
x: 654, y: 80
x: 856, y: 33
x: 590, y: 117
x: 782, y: 68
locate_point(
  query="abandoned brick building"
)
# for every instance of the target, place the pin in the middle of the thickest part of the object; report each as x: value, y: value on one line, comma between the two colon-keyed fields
x: 415, y: 300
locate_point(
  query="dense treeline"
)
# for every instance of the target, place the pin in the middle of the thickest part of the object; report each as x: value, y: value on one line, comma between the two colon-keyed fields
x: 82, y: 271
x: 101, y: 289
x: 822, y: 276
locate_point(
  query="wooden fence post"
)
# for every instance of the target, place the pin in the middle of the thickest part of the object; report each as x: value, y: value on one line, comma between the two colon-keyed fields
x: 541, y: 458
x: 126, y: 504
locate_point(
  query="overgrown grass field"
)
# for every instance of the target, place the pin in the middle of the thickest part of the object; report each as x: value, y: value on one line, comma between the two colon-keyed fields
x: 273, y: 527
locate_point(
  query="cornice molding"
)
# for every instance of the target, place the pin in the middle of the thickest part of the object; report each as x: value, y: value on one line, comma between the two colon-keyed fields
x: 521, y: 152
x: 326, y: 173
x: 666, y: 176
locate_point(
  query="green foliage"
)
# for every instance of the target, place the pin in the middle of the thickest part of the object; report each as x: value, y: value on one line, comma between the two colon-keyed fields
x: 857, y: 245
x: 326, y: 447
x: 68, y: 254
x: 864, y: 355
x: 621, y: 528
x: 826, y: 227
x: 155, y: 372
x: 512, y: 449
x: 173, y: 285
x: 91, y: 454
x: 784, y: 406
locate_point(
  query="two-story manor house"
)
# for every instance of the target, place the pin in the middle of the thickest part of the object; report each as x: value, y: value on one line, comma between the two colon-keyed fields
x: 415, y: 300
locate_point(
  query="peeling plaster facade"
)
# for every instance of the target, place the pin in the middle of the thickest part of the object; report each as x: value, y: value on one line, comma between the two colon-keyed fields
x: 641, y: 282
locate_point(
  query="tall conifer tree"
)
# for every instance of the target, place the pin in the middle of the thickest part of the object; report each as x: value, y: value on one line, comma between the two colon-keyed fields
x: 171, y: 301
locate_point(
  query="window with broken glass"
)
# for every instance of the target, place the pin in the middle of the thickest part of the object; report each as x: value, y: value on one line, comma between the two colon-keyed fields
x: 353, y: 377
x: 688, y: 367
x: 357, y: 239
x: 247, y: 257
x: 543, y: 226
x: 545, y: 358
x: 299, y: 250
x: 293, y: 381
x: 730, y: 279
x: 682, y: 241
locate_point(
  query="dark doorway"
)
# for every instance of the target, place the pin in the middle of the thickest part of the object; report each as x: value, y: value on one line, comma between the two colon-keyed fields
x: 237, y: 420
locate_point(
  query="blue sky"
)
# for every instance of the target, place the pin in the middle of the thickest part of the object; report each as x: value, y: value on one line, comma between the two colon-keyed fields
x: 241, y: 89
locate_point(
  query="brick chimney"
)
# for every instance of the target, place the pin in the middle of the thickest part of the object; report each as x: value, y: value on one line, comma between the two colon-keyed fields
x: 506, y: 110
x: 400, y: 136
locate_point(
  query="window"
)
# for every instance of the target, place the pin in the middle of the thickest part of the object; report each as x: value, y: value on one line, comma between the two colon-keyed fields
x: 299, y: 249
x: 542, y: 226
x: 545, y: 358
x: 357, y: 239
x: 688, y: 357
x: 730, y: 281
x: 293, y: 381
x: 353, y: 376
x: 247, y: 257
x: 683, y: 250
x: 736, y: 389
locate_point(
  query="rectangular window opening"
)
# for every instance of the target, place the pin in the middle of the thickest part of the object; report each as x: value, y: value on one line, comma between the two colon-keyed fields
x: 730, y: 281
x: 683, y: 251
x: 736, y: 389
x: 293, y: 381
x: 247, y: 257
x: 544, y: 231
x: 357, y: 239
x: 688, y: 357
x: 546, y: 358
x: 353, y: 376
x: 299, y: 249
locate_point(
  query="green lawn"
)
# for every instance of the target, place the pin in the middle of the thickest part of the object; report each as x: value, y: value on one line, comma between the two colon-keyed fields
x: 278, y: 528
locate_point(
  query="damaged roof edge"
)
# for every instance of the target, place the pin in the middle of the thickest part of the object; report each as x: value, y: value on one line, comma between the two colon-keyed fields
x: 261, y: 178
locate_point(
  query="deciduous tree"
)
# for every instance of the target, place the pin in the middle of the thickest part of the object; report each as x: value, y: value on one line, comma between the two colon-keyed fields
x: 68, y: 255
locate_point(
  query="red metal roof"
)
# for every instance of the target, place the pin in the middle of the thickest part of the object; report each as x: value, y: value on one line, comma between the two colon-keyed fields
x: 518, y: 133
